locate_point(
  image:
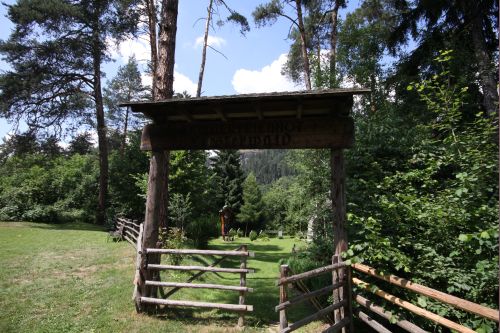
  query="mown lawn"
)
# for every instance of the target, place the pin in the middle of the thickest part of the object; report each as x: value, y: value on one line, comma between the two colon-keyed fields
x: 67, y: 278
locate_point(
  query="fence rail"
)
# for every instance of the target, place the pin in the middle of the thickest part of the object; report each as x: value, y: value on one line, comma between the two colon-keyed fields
x: 242, y: 288
x: 130, y: 229
x: 338, y: 285
x: 454, y: 301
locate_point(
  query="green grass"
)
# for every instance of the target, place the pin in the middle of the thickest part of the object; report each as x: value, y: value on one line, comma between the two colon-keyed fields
x: 67, y: 278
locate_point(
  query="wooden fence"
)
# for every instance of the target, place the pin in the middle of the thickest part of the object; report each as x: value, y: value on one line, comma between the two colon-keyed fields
x: 340, y: 288
x: 130, y: 229
x: 456, y: 302
x: 242, y: 288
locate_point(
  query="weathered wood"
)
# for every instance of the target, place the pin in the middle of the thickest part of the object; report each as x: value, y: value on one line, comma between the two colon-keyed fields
x: 251, y: 134
x: 197, y: 275
x: 338, y: 201
x: 171, y: 303
x: 348, y: 297
x: 338, y: 326
x: 372, y: 322
x: 132, y: 242
x: 309, y: 274
x: 338, y: 294
x: 155, y: 213
x: 243, y: 283
x: 202, y: 252
x: 283, y: 298
x: 404, y: 324
x: 198, y: 285
x: 198, y: 268
x: 314, y: 316
x: 138, y: 279
x: 300, y: 285
x: 454, y: 301
x: 413, y: 308
x: 304, y: 297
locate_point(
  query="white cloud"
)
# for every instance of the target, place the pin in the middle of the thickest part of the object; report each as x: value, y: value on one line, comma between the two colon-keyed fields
x: 213, y: 41
x: 267, y: 79
x: 181, y: 83
x: 136, y: 47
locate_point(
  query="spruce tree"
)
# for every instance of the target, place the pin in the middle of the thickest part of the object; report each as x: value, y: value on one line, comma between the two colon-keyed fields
x: 228, y: 179
x: 252, y: 209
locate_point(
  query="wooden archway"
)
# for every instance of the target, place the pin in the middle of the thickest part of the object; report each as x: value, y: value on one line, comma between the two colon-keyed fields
x: 291, y: 120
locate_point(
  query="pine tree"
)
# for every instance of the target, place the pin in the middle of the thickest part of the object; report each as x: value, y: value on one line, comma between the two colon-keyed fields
x: 124, y: 87
x: 56, y: 51
x: 253, y: 206
x: 228, y: 179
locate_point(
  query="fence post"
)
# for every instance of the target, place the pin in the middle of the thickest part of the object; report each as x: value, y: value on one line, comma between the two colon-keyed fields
x: 243, y: 283
x: 348, y: 297
x: 338, y: 294
x: 283, y: 297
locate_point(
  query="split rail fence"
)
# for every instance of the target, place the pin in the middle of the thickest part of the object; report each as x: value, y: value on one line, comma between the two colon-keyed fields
x: 130, y: 229
x: 242, y: 288
x: 340, y: 288
x: 456, y: 302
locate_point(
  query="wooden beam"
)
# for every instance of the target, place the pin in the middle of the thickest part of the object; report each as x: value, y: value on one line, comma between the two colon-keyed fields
x: 412, y: 308
x: 314, y: 316
x: 372, y: 322
x: 198, y: 286
x: 221, y: 114
x: 404, y: 324
x: 198, y: 268
x: 454, y: 301
x: 309, y: 274
x: 305, y: 297
x: 202, y: 252
x: 287, y: 133
x: 171, y: 303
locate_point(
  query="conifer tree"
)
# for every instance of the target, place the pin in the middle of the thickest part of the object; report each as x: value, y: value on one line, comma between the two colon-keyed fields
x: 253, y: 206
x: 56, y: 50
x: 229, y: 179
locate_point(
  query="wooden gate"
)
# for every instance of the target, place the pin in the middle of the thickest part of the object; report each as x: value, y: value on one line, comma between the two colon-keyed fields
x: 141, y: 284
x: 338, y: 314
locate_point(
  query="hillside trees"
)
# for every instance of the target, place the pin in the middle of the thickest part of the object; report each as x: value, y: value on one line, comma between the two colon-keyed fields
x: 56, y: 51
x: 228, y: 179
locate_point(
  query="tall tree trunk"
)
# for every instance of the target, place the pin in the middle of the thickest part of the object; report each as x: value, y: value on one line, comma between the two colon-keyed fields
x: 473, y: 16
x: 333, y: 44
x: 303, y: 44
x: 152, y: 22
x: 125, y: 129
x: 164, y: 88
x: 204, y: 52
x: 101, y: 125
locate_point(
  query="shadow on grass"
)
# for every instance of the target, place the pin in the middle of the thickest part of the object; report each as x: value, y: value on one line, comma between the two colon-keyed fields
x: 80, y: 226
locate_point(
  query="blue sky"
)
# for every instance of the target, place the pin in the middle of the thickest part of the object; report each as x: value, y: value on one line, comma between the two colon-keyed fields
x: 253, y: 62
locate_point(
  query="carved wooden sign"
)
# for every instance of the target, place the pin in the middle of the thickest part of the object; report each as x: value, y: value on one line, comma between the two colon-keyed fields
x: 334, y: 132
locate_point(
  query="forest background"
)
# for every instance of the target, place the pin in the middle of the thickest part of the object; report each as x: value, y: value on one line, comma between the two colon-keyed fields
x: 422, y: 186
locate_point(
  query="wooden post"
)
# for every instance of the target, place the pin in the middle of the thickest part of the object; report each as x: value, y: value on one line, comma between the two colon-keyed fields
x: 338, y: 294
x: 283, y: 297
x: 348, y: 297
x: 243, y: 283
x: 337, y: 193
x: 155, y: 215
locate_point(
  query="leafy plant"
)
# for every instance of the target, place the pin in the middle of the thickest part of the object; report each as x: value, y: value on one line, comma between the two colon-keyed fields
x: 253, y: 235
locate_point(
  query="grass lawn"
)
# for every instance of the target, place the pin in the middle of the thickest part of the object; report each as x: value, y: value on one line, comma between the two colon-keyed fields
x: 67, y: 278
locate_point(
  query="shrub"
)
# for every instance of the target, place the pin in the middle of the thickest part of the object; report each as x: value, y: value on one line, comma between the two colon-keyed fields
x: 232, y: 233
x: 202, y: 229
x: 239, y: 233
x: 174, y: 238
x: 263, y: 236
x: 253, y: 235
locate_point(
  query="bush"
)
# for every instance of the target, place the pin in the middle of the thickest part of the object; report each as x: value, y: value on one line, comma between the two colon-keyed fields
x: 202, y: 229
x: 253, y: 235
x: 232, y: 233
x: 263, y: 236
x: 239, y: 233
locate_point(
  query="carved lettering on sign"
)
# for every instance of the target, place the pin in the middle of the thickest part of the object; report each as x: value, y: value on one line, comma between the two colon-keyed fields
x: 248, y: 134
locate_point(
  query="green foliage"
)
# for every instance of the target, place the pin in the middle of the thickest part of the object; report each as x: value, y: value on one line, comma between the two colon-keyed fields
x: 180, y: 210
x: 173, y: 238
x: 251, y: 213
x: 253, y: 235
x: 203, y: 228
x: 228, y: 179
